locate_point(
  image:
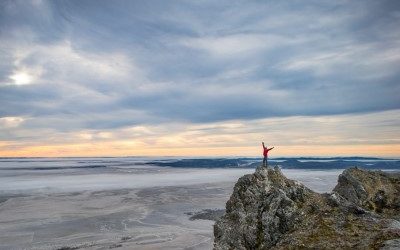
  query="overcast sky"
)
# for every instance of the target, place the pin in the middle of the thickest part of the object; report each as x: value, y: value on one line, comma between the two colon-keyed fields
x: 199, y: 77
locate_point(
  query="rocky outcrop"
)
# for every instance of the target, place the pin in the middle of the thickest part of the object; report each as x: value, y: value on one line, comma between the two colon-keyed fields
x: 269, y: 211
x: 373, y: 190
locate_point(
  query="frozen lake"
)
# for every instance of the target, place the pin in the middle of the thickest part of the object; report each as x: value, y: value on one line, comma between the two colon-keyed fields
x: 102, y: 203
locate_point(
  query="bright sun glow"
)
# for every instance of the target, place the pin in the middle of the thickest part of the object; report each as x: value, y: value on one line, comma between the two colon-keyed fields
x: 21, y: 78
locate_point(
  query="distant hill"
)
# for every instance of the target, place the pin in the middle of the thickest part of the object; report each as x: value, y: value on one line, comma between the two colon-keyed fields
x: 288, y: 163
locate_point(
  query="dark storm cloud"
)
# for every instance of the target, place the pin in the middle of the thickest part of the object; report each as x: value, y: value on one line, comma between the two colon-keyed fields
x: 156, y: 61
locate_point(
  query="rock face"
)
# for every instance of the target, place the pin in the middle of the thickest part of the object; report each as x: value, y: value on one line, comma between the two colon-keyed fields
x: 269, y: 211
x: 376, y: 191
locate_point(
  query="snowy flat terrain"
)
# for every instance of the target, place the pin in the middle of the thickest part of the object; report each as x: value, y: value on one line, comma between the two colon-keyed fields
x: 103, y: 203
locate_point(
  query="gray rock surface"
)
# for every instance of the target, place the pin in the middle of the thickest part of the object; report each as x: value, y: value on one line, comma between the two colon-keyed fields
x: 373, y: 190
x: 269, y: 211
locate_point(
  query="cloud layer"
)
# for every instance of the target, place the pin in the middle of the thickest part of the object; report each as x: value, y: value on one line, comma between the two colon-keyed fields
x: 85, y: 70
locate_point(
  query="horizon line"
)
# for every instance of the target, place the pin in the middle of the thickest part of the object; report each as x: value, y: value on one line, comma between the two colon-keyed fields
x: 210, y: 157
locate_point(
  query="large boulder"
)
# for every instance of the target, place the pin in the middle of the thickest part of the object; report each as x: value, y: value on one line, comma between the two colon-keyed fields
x: 373, y: 190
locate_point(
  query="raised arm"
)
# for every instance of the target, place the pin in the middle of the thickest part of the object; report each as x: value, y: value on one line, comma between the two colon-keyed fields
x: 270, y: 148
x: 263, y: 144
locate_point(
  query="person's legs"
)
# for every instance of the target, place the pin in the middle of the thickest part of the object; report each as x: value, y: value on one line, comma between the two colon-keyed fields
x: 265, y: 162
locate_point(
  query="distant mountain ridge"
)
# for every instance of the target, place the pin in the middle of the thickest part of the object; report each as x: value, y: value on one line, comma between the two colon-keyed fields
x: 288, y: 163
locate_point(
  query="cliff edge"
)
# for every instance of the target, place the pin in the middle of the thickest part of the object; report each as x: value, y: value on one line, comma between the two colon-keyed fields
x: 269, y: 211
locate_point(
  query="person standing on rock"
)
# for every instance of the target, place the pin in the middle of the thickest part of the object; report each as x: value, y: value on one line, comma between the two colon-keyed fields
x: 265, y: 153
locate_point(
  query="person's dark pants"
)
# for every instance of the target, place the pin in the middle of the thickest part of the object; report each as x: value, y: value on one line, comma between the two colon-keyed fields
x: 265, y: 162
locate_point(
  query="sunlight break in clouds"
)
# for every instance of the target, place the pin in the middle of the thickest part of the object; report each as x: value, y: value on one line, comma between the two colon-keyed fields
x: 21, y: 78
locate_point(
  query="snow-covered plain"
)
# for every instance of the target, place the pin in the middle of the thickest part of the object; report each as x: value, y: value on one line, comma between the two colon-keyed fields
x: 96, y: 203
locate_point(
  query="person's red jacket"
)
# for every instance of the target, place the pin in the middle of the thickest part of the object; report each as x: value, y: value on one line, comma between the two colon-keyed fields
x: 266, y: 152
